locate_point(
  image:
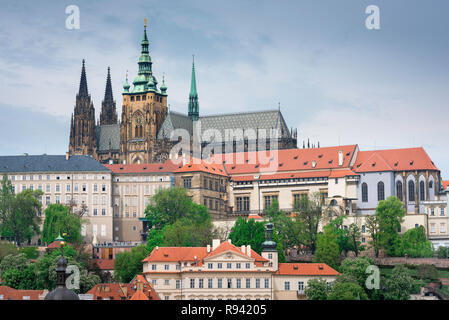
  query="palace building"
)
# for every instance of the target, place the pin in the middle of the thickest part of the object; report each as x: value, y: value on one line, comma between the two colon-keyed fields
x: 147, y: 130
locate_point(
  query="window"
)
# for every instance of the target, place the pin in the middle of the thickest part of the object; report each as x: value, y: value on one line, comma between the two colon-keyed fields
x: 103, y: 230
x: 242, y: 203
x: 154, y: 282
x: 166, y: 267
x: 248, y: 283
x: 47, y: 200
x: 238, y: 265
x: 441, y: 211
x: 167, y: 282
x: 178, y: 284
x: 432, y: 227
x: 301, y: 286
x: 57, y: 200
x: 209, y: 266
x: 103, y: 212
x: 188, y: 182
x: 430, y: 184
x: 380, y: 191
x: 248, y: 265
x: 201, y: 283
x: 68, y: 187
x: 422, y: 191
x: 364, y: 192
x: 229, y: 283
x: 363, y: 229
x: 229, y: 265
x: 299, y: 199
x: 238, y: 283
x: 58, y: 188
x: 411, y: 191
x: 442, y: 228
x: 399, y: 190
x: 257, y: 283
x: 95, y: 188
x: 95, y: 212
x: 84, y: 188
x: 192, y: 283
x: 270, y: 256
x: 153, y: 267
x: 220, y: 283
x: 363, y: 239
x: 286, y: 285
x: 219, y: 265
x: 209, y: 283
x: 103, y: 188
x: 268, y: 200
x: 267, y: 283
x: 47, y: 188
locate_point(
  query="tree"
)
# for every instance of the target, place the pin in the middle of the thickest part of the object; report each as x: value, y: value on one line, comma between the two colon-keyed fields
x: 399, y: 285
x: 22, y: 280
x: 342, y: 234
x: 18, y: 262
x: 167, y: 206
x: 327, y: 249
x: 390, y: 214
x: 356, y: 268
x: 155, y: 239
x: 354, y: 236
x: 248, y: 232
x: 317, y: 289
x: 427, y: 272
x: 30, y: 252
x: 59, y: 220
x: 128, y: 264
x: 7, y: 249
x: 442, y: 253
x: 415, y: 243
x: 19, y: 213
x: 372, y: 226
x: 347, y: 290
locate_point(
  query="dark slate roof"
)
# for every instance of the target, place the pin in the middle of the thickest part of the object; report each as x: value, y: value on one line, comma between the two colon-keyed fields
x: 271, y: 119
x: 47, y: 163
x: 108, y: 137
x: 174, y: 121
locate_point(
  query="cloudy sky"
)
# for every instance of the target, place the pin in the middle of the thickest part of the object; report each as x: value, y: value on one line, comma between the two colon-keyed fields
x: 336, y: 81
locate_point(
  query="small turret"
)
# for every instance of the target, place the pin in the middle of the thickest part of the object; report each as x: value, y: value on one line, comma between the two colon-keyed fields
x: 163, y: 86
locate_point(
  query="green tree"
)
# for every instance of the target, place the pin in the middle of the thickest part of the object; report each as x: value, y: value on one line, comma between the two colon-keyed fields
x: 372, y: 227
x: 342, y: 234
x: 356, y: 268
x: 354, y: 236
x: 7, y: 248
x: 327, y: 249
x: 19, y: 217
x: 427, y: 272
x: 30, y: 252
x: 18, y: 262
x: 128, y: 264
x: 347, y: 290
x: 415, y: 243
x: 248, y: 232
x: 399, y: 284
x: 317, y: 289
x: 155, y: 239
x: 22, y: 280
x: 59, y: 220
x: 442, y: 253
x: 390, y: 214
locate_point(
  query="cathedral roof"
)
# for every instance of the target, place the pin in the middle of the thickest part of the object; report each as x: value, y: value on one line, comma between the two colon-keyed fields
x: 174, y: 121
x: 106, y: 134
x: 47, y: 163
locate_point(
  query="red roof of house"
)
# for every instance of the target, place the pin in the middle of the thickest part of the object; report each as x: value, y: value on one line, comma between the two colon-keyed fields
x: 112, y: 291
x: 148, y: 288
x: 306, y: 269
x: 139, y: 295
x: 167, y: 166
x: 104, y: 264
x: 198, y: 165
x: 14, y: 294
x: 286, y: 160
x: 254, y: 216
x: 55, y: 245
x: 445, y: 184
x: 393, y: 160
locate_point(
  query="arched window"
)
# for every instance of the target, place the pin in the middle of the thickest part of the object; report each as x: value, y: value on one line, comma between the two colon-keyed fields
x: 380, y: 191
x: 399, y: 190
x: 430, y: 184
x: 364, y: 192
x: 422, y: 191
x: 138, y: 132
x: 411, y: 191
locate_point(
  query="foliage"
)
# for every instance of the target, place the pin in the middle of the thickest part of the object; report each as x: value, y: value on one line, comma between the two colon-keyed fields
x: 442, y: 253
x: 427, y: 272
x: 356, y: 268
x: 18, y: 262
x: 248, y: 232
x: 22, y: 280
x: 399, y: 284
x: 372, y: 227
x: 346, y: 288
x: 7, y: 248
x: 317, y: 289
x: 30, y: 252
x: 355, y: 243
x: 390, y: 214
x: 415, y: 243
x: 341, y: 233
x: 128, y: 264
x: 327, y: 249
x: 155, y: 239
x: 19, y: 213
x: 59, y: 220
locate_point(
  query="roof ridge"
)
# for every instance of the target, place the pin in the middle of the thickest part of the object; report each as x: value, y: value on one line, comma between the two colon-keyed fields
x: 239, y: 113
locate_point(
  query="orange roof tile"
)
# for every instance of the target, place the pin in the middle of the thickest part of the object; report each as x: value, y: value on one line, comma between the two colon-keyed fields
x: 306, y: 269
x: 445, y: 184
x: 139, y: 295
x: 393, y: 160
x: 14, y: 294
x: 104, y: 264
x: 112, y: 291
x: 254, y: 216
x: 342, y: 173
x: 227, y: 246
x: 197, y: 165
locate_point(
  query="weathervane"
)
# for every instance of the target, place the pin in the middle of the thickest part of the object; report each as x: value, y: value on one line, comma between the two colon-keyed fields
x: 145, y: 19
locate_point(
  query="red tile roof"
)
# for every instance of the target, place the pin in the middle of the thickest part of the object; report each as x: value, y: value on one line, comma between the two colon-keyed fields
x: 445, y: 184
x: 254, y: 216
x: 306, y: 269
x: 286, y: 160
x: 227, y: 246
x: 112, y: 291
x: 14, y: 294
x: 104, y: 264
x: 55, y: 245
x: 393, y: 160
x: 148, y: 288
x: 167, y: 166
x: 197, y: 165
x: 139, y: 295
x: 342, y: 173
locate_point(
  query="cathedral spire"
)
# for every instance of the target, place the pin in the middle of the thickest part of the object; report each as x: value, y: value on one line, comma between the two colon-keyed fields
x: 83, y: 82
x: 193, y: 96
x: 108, y: 113
x: 108, y: 92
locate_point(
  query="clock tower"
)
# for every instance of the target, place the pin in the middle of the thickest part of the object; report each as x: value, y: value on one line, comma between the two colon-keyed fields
x: 144, y: 110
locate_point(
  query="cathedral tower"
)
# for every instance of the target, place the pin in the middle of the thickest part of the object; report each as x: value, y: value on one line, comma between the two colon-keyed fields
x: 108, y: 113
x: 193, y: 110
x: 83, y: 138
x: 144, y: 110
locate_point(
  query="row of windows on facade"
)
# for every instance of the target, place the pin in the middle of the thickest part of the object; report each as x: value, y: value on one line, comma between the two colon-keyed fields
x: 210, y: 184
x: 68, y: 188
x: 68, y: 198
x: 103, y: 232
x: 285, y: 180
x: 50, y: 177
x: 154, y: 178
x: 229, y: 283
x: 209, y: 203
x: 210, y: 265
x: 399, y: 191
x: 134, y: 189
x: 243, y: 203
x: 442, y: 228
x: 144, y: 98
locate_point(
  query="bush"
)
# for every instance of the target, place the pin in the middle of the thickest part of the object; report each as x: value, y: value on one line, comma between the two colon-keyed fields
x: 30, y: 252
x: 442, y: 252
x: 427, y: 272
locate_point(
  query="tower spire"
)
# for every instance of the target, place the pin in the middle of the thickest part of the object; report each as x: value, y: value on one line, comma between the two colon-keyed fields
x: 193, y: 96
x: 108, y: 113
x: 83, y: 82
x: 108, y: 92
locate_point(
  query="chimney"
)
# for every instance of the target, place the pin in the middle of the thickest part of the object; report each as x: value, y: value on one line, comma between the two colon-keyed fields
x: 340, y: 157
x: 248, y: 250
x: 229, y: 240
x: 67, y: 156
x: 208, y: 248
x: 243, y: 249
x: 313, y: 163
x: 157, y: 247
x: 215, y: 244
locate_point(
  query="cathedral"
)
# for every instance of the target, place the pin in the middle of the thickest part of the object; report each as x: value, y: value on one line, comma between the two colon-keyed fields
x: 147, y: 130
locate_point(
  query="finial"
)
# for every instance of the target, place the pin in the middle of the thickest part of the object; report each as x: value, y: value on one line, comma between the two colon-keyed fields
x: 145, y: 25
x: 279, y: 106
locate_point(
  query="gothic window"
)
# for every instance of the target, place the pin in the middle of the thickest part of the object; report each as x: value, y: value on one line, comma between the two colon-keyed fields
x: 430, y: 184
x: 138, y: 131
x: 422, y: 191
x: 364, y: 192
x: 399, y: 190
x: 411, y: 191
x: 380, y: 191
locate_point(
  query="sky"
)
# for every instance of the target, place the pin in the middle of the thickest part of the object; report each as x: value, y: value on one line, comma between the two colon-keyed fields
x: 336, y: 81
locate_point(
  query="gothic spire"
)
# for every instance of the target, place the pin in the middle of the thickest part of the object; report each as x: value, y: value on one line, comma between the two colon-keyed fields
x: 108, y: 92
x: 193, y: 96
x: 83, y: 82
x: 108, y: 113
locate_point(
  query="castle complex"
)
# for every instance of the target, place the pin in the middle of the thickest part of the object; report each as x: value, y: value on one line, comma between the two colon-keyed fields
x: 148, y: 131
